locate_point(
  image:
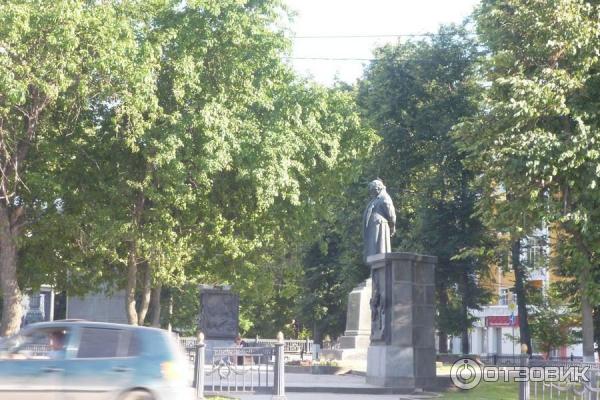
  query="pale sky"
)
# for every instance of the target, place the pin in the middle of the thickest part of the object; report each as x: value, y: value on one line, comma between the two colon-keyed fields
x: 361, y: 17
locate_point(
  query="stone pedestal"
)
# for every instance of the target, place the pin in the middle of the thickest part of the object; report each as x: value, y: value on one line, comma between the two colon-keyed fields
x: 402, y: 352
x: 219, y: 313
x: 355, y: 342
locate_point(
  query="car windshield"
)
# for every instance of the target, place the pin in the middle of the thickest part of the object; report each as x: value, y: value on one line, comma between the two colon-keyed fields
x: 49, y: 343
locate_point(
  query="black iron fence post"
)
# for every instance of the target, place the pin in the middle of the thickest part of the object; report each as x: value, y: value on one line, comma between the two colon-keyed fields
x: 307, y: 349
x: 524, y: 385
x: 279, y: 384
x: 591, y: 391
x: 195, y: 348
x: 199, y: 367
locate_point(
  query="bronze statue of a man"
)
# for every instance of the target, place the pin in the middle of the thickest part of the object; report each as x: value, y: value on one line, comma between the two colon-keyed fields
x: 379, y: 221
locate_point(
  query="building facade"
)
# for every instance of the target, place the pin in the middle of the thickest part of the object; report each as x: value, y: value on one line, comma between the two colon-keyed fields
x: 38, y: 306
x: 496, y: 330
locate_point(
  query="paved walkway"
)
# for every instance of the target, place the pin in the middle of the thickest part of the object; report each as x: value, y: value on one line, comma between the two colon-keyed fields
x: 339, y: 396
x: 323, y: 396
x: 304, y: 381
x: 330, y: 387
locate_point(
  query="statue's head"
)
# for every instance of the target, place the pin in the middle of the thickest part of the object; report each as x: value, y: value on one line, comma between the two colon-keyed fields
x: 376, y: 187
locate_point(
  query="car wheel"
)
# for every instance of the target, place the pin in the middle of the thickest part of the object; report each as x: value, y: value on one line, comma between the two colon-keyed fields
x: 137, y: 395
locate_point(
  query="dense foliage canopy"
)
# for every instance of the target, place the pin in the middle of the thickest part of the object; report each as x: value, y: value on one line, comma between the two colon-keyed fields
x: 153, y: 145
x: 169, y: 144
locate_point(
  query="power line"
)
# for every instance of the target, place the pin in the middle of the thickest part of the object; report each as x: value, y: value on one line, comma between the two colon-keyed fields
x: 401, y: 60
x: 330, y: 59
x: 375, y: 36
x: 362, y: 59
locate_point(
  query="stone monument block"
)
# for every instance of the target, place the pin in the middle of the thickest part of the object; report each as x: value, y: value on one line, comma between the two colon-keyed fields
x: 358, y: 318
x: 402, y: 351
x: 219, y: 313
x: 102, y: 306
x: 356, y: 339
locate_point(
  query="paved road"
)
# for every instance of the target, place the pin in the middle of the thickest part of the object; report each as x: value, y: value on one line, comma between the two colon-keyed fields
x: 301, y: 386
x: 308, y: 386
x: 324, y: 396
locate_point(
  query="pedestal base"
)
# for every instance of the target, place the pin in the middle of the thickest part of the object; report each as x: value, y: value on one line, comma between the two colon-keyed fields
x: 351, y: 348
x: 355, y: 342
x: 398, y: 368
x: 345, y: 354
x: 402, y: 351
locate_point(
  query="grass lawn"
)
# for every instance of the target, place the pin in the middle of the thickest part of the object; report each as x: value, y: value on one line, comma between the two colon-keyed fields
x: 485, y: 391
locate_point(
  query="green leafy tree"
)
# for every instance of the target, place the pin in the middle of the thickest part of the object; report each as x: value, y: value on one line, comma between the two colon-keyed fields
x: 152, y: 190
x: 413, y: 94
x: 289, y: 226
x: 220, y: 185
x: 551, y: 323
x: 265, y: 150
x: 184, y: 152
x: 58, y: 59
x: 535, y: 131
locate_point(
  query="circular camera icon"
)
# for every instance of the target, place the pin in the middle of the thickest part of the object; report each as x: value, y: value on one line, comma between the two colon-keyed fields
x: 465, y: 374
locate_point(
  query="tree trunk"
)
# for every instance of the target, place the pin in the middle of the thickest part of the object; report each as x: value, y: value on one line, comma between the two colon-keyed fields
x: 442, y: 334
x: 587, y: 310
x: 587, y: 314
x: 132, y: 316
x: 597, y: 328
x: 170, y: 327
x: 519, y: 272
x: 132, y: 261
x: 442, y: 342
x: 464, y: 342
x: 11, y: 293
x: 155, y: 306
x: 146, y: 291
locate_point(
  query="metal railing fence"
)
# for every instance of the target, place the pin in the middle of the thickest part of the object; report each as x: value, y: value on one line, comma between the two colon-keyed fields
x: 291, y: 347
x: 240, y: 369
x: 567, y: 387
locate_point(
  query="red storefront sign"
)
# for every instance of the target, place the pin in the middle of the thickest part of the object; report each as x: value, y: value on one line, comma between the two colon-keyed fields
x: 502, y: 320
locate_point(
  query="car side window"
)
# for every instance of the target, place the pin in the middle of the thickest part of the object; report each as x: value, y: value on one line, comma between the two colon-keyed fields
x: 133, y: 345
x: 39, y: 344
x: 99, y: 343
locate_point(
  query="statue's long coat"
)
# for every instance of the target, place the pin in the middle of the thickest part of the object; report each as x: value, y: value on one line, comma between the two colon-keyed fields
x: 379, y: 216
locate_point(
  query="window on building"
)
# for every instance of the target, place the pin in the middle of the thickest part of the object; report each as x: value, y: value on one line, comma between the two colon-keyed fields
x: 535, y: 252
x: 34, y: 301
